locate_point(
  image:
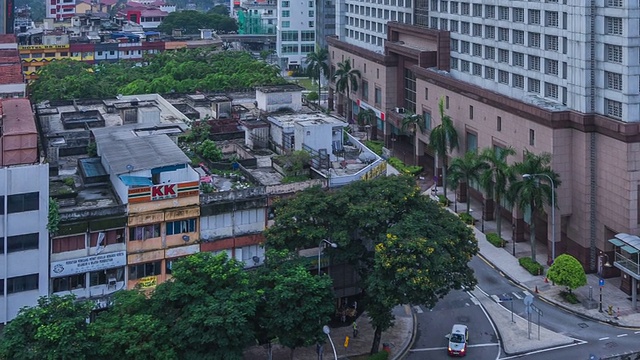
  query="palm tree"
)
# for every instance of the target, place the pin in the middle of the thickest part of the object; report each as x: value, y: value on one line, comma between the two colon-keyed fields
x: 443, y: 138
x: 369, y: 117
x: 466, y: 169
x: 530, y: 192
x: 411, y: 122
x: 495, y: 178
x: 347, y: 81
x: 317, y: 64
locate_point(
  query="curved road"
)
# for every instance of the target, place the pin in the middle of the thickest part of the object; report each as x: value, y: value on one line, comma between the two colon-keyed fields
x: 592, y: 337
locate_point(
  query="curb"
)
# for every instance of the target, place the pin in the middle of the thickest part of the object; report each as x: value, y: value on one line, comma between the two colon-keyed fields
x: 412, y: 340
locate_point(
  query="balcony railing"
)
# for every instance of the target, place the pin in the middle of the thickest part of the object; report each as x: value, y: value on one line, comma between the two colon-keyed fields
x: 630, y: 265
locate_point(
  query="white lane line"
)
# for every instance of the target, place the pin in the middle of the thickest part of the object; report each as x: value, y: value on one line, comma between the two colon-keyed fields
x: 604, y: 338
x: 496, y: 298
x: 526, y: 293
x: 517, y: 295
x: 483, y: 345
x: 580, y: 342
x: 622, y: 335
x: 477, y: 302
x: 418, y: 309
x: 427, y: 349
x: 637, y: 332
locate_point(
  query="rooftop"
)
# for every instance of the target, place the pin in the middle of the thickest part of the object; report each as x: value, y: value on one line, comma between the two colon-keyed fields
x: 18, y: 117
x: 123, y: 150
x: 11, y: 73
x: 280, y: 88
x: 290, y: 119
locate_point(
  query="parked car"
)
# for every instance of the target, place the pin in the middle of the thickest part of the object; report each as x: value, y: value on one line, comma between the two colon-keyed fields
x: 458, y: 340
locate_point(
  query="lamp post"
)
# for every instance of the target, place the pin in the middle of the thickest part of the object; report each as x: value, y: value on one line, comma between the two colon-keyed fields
x: 332, y: 244
x: 326, y: 330
x: 553, y: 212
x: 601, y: 273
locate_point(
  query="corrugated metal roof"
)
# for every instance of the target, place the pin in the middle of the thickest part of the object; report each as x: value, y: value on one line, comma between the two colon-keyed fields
x: 19, y: 117
x: 121, y: 147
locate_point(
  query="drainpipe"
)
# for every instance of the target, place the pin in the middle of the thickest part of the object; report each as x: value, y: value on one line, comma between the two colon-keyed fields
x: 4, y: 240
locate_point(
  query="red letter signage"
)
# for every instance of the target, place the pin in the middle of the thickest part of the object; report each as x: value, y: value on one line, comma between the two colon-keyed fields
x: 165, y: 191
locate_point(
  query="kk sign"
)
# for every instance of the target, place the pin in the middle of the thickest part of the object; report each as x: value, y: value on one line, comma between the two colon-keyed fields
x: 164, y: 191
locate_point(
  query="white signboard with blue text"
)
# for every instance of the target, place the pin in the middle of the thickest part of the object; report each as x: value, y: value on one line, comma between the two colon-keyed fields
x: 89, y: 263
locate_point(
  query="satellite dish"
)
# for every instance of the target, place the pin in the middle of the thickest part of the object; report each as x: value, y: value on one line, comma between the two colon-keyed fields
x: 129, y: 167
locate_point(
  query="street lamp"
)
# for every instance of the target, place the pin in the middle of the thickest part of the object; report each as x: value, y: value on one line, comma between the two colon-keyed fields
x: 332, y: 244
x: 326, y: 330
x: 601, y: 273
x: 553, y: 212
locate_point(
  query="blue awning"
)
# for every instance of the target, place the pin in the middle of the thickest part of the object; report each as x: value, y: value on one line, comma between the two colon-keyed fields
x: 616, y: 242
x: 136, y: 180
x: 630, y: 249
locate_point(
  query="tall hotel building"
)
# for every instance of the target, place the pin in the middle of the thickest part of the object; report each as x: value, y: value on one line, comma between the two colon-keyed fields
x: 559, y: 77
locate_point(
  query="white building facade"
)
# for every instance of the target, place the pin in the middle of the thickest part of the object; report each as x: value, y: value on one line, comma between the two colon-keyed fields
x: 24, y: 239
x: 296, y: 35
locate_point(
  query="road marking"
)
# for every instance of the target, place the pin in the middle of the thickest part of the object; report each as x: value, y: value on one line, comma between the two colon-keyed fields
x: 580, y: 342
x: 526, y: 293
x: 477, y: 302
x: 496, y: 298
x: 622, y: 335
x: 427, y: 349
x: 517, y: 295
x: 418, y: 309
x: 604, y: 338
x: 637, y: 332
x: 483, y: 345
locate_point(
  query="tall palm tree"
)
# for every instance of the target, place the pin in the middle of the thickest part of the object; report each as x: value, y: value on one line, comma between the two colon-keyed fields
x: 531, y: 193
x: 495, y: 178
x: 466, y: 169
x: 369, y: 117
x: 346, y: 81
x: 317, y: 65
x: 443, y: 138
x: 411, y: 122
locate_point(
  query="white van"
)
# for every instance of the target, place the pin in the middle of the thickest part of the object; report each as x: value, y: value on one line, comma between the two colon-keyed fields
x: 458, y: 340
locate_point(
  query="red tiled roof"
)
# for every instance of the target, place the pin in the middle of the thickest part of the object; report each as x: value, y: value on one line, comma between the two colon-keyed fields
x: 108, y: 2
x: 18, y: 117
x: 153, y: 12
x: 7, y: 38
x: 11, y: 74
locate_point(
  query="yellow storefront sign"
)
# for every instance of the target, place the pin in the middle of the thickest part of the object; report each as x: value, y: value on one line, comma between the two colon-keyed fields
x: 376, y: 171
x: 147, y: 282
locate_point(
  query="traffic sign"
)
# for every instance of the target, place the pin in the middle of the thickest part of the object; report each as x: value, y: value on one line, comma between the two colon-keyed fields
x: 601, y: 282
x: 528, y: 300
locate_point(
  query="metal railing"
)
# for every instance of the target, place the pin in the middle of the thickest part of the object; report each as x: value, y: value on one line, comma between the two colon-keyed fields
x: 631, y: 265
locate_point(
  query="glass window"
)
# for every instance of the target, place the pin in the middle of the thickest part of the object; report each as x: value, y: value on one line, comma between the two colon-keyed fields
x: 534, y: 86
x: 551, y: 18
x: 534, y: 17
x: 103, y: 277
x: 365, y: 90
x: 181, y: 226
x: 22, y: 283
x: 286, y: 24
x: 308, y: 35
x: 613, y: 108
x: 489, y: 73
x: 472, y: 142
x: 613, y: 80
x: 614, y: 53
x: 285, y: 13
x: 144, y: 232
x: 23, y: 202
x: 289, y: 36
x: 378, y: 96
x: 143, y: 270
x: 551, y: 42
x: 68, y: 283
x: 427, y: 120
x: 285, y: 4
x: 22, y: 242
x: 613, y: 25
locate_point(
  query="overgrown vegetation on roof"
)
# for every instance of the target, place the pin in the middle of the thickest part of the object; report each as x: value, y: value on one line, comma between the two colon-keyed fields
x: 181, y: 71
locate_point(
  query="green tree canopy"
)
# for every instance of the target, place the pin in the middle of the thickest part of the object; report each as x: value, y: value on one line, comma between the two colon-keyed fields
x: 191, y: 21
x: 466, y: 169
x: 567, y: 271
x: 188, y: 70
x: 387, y: 231
x: 54, y: 329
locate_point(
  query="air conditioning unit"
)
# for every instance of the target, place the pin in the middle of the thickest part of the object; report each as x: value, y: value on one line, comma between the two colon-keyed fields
x: 111, y: 282
x: 400, y: 110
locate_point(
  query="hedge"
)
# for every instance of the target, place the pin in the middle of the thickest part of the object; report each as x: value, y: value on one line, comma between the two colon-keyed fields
x: 467, y: 218
x: 496, y: 240
x: 532, y: 267
x: 443, y: 200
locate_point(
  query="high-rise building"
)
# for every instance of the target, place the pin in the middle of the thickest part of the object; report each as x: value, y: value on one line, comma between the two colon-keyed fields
x: 24, y: 209
x: 296, y: 34
x: 556, y: 77
x: 60, y: 9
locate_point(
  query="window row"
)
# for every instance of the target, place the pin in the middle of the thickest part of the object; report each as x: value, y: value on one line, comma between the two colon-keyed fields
x: 304, y: 35
x: 287, y: 3
x: 383, y: 14
x: 366, y: 37
x: 20, y: 243
x: 518, y: 37
x: 517, y: 15
x: 78, y: 242
x: 287, y: 13
x: 20, y: 203
x: 20, y: 283
x: 295, y: 49
x: 514, y: 80
x: 153, y: 230
x: 398, y: 3
x: 96, y: 278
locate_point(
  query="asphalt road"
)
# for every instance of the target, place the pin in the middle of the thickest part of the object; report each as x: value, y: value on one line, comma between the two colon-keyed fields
x: 591, y: 337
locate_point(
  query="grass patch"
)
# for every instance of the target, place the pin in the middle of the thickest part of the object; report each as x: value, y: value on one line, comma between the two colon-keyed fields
x: 306, y: 83
x: 569, y: 297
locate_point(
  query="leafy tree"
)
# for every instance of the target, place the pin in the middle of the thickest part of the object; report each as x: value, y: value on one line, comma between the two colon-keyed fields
x: 129, y: 330
x: 188, y: 70
x: 530, y: 193
x: 222, y: 10
x: 357, y: 217
x: 295, y: 304
x: 412, y: 122
x: 317, y: 64
x: 369, y: 117
x: 54, y: 329
x: 347, y: 81
x: 208, y: 308
x: 495, y: 178
x: 53, y: 219
x: 210, y: 151
x: 191, y: 21
x: 567, y: 271
x: 443, y: 139
x: 465, y: 170
x: 313, y: 96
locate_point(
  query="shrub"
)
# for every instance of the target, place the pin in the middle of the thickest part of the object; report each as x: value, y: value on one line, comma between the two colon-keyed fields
x: 532, y: 267
x: 467, y: 218
x: 312, y: 96
x: 69, y: 182
x: 494, y: 239
x: 382, y: 355
x: 404, y: 169
x: 375, y: 146
x: 443, y: 200
x: 210, y: 151
x: 92, y: 149
x: 569, y: 297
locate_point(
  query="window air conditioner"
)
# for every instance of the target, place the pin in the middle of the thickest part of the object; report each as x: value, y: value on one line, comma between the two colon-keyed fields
x: 400, y: 110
